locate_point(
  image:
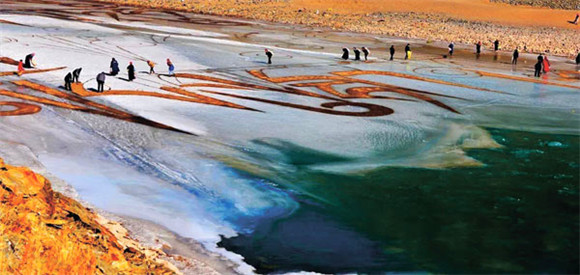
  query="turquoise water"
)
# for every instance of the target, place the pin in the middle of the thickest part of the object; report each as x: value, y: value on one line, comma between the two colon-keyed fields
x: 517, y: 214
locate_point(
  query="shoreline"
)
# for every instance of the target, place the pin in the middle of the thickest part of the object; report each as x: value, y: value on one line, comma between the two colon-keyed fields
x: 157, y: 243
x: 429, y: 26
x: 46, y: 231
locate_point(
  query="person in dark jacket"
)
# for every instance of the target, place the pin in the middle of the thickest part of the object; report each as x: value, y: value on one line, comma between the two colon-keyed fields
x: 345, y: 53
x: 269, y: 54
x: 366, y: 52
x: 131, y: 71
x: 28, y: 62
x: 578, y: 60
x: 538, y: 69
x: 496, y: 45
x: 114, y: 67
x: 451, y: 48
x: 515, y: 56
x: 76, y: 74
x: 477, y: 49
x: 392, y: 51
x: 356, y: 53
x: 67, y: 80
x: 101, y: 82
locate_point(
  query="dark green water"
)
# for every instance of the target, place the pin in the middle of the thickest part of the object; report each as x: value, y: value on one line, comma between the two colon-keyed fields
x: 518, y: 214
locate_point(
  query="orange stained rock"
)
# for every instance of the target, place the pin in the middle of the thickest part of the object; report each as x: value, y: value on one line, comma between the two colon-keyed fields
x: 45, y: 232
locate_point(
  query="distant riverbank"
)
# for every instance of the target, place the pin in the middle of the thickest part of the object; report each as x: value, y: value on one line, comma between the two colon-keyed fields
x: 535, y: 29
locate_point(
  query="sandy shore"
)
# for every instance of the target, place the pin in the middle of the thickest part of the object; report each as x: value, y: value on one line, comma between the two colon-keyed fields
x: 462, y: 21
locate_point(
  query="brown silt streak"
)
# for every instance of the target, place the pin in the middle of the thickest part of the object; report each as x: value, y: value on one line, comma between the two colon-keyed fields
x: 261, y: 75
x: 247, y: 86
x: 29, y: 71
x: 414, y: 77
x: 100, y: 108
x: 191, y: 97
x: 21, y: 108
x: 206, y: 99
x: 373, y: 110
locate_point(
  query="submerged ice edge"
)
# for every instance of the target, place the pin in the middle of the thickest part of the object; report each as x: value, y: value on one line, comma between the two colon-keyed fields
x: 128, y: 188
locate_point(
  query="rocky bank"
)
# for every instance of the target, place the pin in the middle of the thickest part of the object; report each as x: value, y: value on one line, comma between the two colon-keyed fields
x: 45, y: 232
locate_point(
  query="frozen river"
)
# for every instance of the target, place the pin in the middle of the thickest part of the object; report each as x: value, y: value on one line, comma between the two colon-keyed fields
x: 311, y: 163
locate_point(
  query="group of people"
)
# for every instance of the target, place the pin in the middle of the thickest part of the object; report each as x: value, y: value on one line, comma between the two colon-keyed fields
x: 542, y: 66
x: 72, y: 77
x: 151, y: 64
x: 346, y: 53
x: 366, y: 52
x: 28, y: 63
x: 113, y: 71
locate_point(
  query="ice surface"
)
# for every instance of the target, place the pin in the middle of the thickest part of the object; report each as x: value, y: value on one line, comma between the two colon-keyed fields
x: 188, y: 183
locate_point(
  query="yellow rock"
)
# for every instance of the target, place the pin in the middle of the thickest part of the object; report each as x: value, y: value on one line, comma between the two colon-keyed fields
x: 45, y: 232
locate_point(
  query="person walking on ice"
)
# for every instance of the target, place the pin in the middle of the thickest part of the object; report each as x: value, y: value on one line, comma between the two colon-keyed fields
x: 101, y: 82
x: 366, y: 52
x: 131, y: 71
x: 538, y: 69
x: 392, y: 51
x: 515, y: 57
x: 546, y: 64
x: 170, y: 67
x: 345, y: 53
x: 538, y: 66
x: 478, y: 49
x: 269, y: 54
x: 451, y: 48
x: 151, y: 66
x: 356, y: 53
x: 407, y: 51
x: 496, y: 45
x: 114, y: 67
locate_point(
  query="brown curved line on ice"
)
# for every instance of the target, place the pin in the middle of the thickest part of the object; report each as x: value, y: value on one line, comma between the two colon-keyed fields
x: 21, y: 108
